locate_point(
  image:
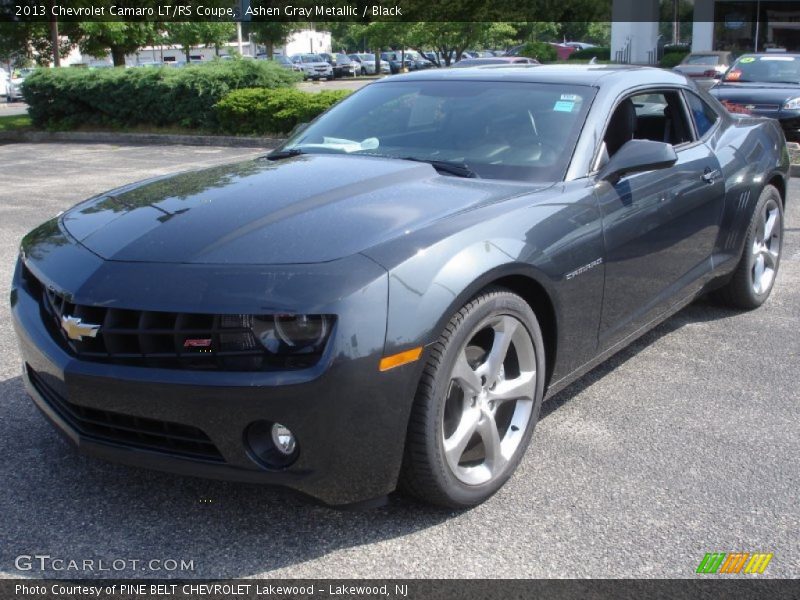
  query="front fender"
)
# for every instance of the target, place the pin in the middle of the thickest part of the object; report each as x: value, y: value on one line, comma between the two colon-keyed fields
x: 546, y: 244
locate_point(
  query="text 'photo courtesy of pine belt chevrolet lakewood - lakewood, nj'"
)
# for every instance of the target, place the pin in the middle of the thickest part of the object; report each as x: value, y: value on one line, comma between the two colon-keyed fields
x: 385, y: 301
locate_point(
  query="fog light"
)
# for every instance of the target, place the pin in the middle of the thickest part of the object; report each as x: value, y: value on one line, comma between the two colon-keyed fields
x: 283, y: 439
x: 271, y: 444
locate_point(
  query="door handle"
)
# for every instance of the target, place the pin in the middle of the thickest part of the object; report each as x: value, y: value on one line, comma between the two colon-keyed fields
x: 710, y: 176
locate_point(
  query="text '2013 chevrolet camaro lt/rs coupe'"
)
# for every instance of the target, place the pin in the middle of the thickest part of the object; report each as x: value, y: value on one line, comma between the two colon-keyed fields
x: 386, y: 300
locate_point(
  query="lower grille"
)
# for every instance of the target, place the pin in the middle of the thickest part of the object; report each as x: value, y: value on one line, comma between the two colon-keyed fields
x: 136, y: 432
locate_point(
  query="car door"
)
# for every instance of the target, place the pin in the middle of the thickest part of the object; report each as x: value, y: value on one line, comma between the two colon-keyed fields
x: 659, y: 226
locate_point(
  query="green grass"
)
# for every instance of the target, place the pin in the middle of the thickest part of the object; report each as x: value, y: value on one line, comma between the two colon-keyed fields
x: 15, y: 122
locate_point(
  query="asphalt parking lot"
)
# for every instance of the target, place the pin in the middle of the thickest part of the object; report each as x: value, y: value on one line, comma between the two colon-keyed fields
x: 686, y: 442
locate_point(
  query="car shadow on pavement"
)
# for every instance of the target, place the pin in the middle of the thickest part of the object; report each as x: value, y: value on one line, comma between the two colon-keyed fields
x: 56, y: 502
x: 701, y: 310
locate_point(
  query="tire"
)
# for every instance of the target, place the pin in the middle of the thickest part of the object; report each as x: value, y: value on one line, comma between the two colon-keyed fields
x: 483, y: 380
x: 754, y: 276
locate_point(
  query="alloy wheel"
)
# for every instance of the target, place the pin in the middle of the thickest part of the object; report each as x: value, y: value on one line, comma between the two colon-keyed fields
x: 766, y: 247
x: 490, y: 399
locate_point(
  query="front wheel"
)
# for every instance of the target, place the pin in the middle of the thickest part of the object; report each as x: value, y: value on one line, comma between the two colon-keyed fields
x: 477, y: 403
x: 754, y: 276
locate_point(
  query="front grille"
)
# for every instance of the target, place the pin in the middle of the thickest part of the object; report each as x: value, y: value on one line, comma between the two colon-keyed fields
x: 138, y: 432
x: 158, y: 339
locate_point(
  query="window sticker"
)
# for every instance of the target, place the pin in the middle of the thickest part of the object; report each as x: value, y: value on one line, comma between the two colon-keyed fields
x: 747, y: 59
x: 570, y: 97
x: 734, y: 75
x: 563, y: 106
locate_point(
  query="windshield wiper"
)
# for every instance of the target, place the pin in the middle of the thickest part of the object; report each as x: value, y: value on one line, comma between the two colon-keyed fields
x: 458, y: 169
x: 280, y: 154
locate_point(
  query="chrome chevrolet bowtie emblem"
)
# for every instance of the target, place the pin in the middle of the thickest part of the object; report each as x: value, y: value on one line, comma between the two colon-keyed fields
x: 76, y: 329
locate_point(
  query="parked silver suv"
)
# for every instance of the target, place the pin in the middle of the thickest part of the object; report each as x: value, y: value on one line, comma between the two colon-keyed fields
x: 313, y: 66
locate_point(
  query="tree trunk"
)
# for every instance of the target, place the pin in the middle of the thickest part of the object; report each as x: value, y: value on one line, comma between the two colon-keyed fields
x: 188, y: 52
x: 54, y: 38
x: 270, y: 49
x: 118, y: 56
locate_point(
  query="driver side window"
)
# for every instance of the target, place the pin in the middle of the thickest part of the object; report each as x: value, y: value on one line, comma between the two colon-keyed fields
x: 654, y: 115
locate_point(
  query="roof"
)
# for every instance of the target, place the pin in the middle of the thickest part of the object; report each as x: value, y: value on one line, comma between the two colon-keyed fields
x: 590, y: 75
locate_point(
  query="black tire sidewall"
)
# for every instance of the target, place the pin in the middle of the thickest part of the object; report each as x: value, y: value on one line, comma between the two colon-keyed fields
x: 507, y: 303
x: 769, y: 193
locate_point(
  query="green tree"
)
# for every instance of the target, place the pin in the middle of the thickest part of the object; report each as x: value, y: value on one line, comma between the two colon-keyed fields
x: 451, y: 39
x: 120, y: 38
x: 216, y: 34
x: 185, y: 35
x: 25, y: 43
x: 272, y: 33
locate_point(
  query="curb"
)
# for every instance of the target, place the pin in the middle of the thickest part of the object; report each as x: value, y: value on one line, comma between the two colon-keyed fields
x: 136, y: 139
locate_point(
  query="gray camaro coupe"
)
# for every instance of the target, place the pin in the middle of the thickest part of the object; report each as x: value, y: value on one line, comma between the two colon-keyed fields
x: 386, y: 300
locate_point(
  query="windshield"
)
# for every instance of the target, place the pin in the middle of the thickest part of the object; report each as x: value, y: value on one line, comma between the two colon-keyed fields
x: 702, y: 59
x: 498, y: 130
x: 366, y: 57
x: 765, y: 69
x: 311, y: 58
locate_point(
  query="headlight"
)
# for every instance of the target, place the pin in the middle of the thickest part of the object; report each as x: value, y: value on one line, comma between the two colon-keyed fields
x: 292, y: 334
x: 793, y: 104
x: 282, y: 341
x: 301, y: 331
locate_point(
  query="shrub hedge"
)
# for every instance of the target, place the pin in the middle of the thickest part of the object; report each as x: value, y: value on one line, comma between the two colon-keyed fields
x: 67, y: 98
x: 601, y: 52
x: 671, y: 59
x: 260, y: 111
x: 541, y: 51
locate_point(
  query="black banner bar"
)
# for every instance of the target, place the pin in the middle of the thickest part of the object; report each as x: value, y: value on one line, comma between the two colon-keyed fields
x: 321, y: 11
x: 733, y: 588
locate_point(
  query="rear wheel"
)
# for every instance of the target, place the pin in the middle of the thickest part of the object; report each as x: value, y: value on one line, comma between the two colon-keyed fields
x: 754, y: 276
x: 477, y: 403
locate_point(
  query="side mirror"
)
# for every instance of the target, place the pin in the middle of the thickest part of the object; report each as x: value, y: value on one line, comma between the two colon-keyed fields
x: 636, y: 156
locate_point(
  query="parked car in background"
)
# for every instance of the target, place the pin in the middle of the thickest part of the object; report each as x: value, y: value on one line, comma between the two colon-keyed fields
x: 14, y: 87
x: 4, y: 78
x: 496, y: 60
x: 767, y: 85
x: 286, y: 63
x: 393, y: 58
x: 580, y: 45
x: 313, y: 66
x: 418, y: 60
x: 344, y: 66
x: 367, y: 62
x: 705, y: 65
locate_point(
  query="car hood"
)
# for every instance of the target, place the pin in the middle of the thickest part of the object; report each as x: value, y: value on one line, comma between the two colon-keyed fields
x: 760, y: 93
x: 307, y: 209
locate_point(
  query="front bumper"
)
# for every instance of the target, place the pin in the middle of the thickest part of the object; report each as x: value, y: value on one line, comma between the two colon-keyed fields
x: 349, y: 418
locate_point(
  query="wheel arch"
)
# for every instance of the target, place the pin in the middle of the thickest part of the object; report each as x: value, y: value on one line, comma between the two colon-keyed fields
x: 778, y: 182
x: 527, y: 283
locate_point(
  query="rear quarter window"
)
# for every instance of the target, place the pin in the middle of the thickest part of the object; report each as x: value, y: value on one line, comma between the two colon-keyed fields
x: 703, y: 115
